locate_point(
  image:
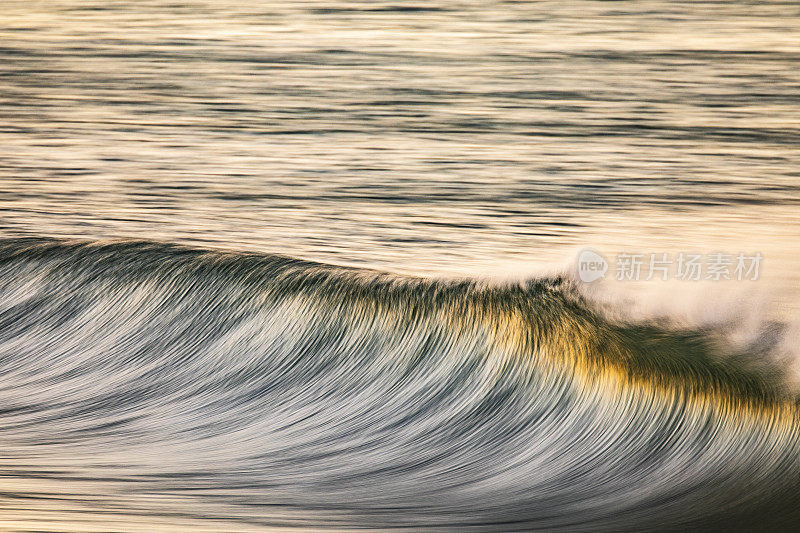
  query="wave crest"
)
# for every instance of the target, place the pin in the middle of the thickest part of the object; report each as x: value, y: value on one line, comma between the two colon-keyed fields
x: 271, y: 390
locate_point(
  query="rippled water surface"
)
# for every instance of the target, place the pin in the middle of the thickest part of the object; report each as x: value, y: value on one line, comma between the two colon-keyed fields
x: 176, y: 388
x: 417, y: 137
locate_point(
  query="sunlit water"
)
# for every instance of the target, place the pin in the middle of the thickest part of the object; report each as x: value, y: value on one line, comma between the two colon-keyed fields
x: 431, y: 138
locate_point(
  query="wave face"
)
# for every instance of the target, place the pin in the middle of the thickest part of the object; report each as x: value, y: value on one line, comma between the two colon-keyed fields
x: 150, y: 380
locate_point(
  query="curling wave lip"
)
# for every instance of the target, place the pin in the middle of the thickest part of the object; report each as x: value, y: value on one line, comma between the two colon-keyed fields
x: 250, y: 390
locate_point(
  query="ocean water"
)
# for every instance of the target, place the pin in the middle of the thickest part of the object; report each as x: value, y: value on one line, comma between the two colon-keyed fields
x: 177, y: 352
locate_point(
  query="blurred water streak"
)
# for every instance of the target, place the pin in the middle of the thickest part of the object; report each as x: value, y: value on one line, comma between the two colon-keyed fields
x: 454, y: 136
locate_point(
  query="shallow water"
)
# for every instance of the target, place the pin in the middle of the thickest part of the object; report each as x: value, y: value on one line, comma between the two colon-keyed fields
x: 452, y: 138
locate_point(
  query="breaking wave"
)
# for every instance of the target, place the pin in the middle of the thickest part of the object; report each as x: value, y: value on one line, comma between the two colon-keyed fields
x: 143, y: 378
